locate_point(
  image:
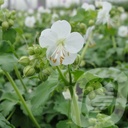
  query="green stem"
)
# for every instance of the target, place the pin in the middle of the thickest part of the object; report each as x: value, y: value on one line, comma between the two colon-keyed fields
x: 62, y: 77
x: 70, y: 76
x: 19, y: 77
x: 83, y: 54
x: 84, y: 51
x: 76, y: 107
x: 22, y: 99
x: 73, y: 95
x: 10, y: 115
x: 114, y: 42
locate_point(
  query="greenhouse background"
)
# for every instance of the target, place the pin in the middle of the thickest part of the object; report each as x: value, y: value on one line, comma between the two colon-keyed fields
x: 25, y: 4
x: 63, y: 63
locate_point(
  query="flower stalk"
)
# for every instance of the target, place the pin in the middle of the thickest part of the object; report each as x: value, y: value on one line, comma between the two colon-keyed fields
x: 19, y: 77
x: 22, y: 99
x: 73, y: 96
x: 83, y: 52
x: 61, y: 75
x: 114, y: 42
x: 76, y: 108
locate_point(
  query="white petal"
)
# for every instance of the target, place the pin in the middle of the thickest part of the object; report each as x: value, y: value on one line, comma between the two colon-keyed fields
x: 106, y: 6
x: 74, y: 42
x: 85, y: 6
x: 103, y: 17
x: 69, y: 59
x: 49, y: 52
x: 47, y: 38
x: 92, y: 7
x: 88, y: 33
x: 62, y: 28
x: 66, y: 94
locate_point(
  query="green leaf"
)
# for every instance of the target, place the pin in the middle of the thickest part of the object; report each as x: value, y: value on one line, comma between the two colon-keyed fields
x: 62, y: 106
x: 9, y: 35
x: 77, y: 74
x: 6, y: 107
x: 5, y: 47
x: 41, y: 94
x: 4, y: 123
x: 7, y: 62
x: 66, y: 124
x: 19, y: 31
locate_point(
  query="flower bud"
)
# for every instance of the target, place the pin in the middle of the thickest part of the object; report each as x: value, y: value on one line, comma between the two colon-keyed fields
x: 82, y: 64
x: 86, y: 91
x: 47, y: 71
x: 28, y: 71
x: 11, y: 22
x: 37, y: 50
x: 100, y: 116
x: 31, y: 51
x: 13, y: 17
x: 97, y: 85
x: 42, y: 76
x: 1, y: 2
x: 90, y: 89
x: 13, y: 12
x: 82, y: 26
x: 92, y: 121
x: 100, y: 91
x: 77, y: 59
x: 120, y: 9
x: 24, y: 60
x: 92, y: 95
x: 5, y: 25
x: 91, y: 22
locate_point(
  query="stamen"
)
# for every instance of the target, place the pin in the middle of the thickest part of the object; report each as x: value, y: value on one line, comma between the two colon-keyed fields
x: 59, y: 54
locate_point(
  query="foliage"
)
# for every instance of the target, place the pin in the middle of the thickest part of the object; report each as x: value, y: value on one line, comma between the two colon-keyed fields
x: 31, y: 90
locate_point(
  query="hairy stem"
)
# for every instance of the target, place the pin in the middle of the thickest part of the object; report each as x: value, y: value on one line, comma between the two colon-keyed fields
x: 19, y: 77
x: 22, y: 99
x: 62, y: 76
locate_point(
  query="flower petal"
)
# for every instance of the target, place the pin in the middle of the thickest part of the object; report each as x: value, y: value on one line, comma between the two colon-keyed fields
x: 62, y: 28
x: 69, y: 59
x: 74, y: 42
x: 106, y: 6
x: 47, y: 38
x: 49, y: 53
x: 88, y: 33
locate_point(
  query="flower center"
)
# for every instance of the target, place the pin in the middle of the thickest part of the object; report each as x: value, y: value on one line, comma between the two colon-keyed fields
x: 59, y: 53
x: 60, y: 42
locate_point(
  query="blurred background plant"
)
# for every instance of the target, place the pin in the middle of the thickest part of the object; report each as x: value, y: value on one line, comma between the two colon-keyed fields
x: 21, y: 23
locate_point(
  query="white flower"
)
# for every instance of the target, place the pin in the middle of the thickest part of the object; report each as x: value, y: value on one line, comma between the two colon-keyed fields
x: 103, y: 16
x: 74, y: 12
x: 62, y: 45
x: 38, y: 17
x: 88, y: 6
x: 41, y: 9
x: 30, y: 11
x: 123, y: 31
x: 89, y: 33
x: 30, y: 21
x: 47, y: 10
x: 106, y: 6
x: 66, y: 94
x: 98, y: 3
x: 55, y: 16
x: 124, y: 16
